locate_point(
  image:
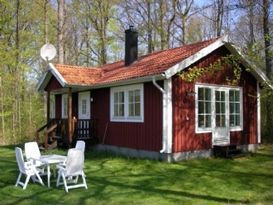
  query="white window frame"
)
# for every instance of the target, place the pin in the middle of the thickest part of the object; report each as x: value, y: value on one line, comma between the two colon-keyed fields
x: 213, y: 88
x: 126, y: 117
x: 64, y: 106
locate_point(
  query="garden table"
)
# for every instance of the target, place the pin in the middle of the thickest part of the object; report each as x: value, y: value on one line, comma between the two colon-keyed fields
x: 49, y: 160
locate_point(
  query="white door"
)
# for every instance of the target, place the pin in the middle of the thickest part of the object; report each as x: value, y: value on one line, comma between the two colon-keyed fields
x: 221, y: 132
x: 84, y: 105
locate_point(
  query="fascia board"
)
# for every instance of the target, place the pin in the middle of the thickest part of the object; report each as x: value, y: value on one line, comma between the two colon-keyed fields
x: 57, y: 75
x: 121, y: 83
x: 43, y: 81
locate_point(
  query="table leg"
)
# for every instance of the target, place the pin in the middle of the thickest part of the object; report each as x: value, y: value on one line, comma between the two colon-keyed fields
x: 48, y: 175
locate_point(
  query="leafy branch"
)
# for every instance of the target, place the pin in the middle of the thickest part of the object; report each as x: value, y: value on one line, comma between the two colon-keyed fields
x: 195, y: 72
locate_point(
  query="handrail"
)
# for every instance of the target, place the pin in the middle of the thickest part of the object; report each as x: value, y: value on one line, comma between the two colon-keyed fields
x: 50, y: 129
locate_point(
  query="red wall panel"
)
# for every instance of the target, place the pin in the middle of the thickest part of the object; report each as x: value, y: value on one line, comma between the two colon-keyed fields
x: 184, y: 136
x: 53, y: 84
x: 145, y: 136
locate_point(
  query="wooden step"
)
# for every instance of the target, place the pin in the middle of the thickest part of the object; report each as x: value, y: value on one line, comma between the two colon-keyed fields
x: 227, y: 151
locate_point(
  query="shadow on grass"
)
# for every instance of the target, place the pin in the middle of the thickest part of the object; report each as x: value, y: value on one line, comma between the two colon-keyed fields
x: 165, y: 192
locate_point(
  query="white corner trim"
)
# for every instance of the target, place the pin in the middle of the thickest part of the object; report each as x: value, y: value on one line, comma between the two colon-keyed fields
x: 258, y: 114
x: 167, y: 116
x: 194, y: 58
x: 57, y: 75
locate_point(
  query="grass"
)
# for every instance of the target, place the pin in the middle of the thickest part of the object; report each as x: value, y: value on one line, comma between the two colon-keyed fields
x: 117, y: 180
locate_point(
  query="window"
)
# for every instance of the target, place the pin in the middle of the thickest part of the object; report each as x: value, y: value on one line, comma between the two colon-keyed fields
x: 52, y: 106
x: 220, y: 111
x: 119, y: 104
x: 127, y: 103
x: 218, y: 107
x: 84, y: 103
x: 204, y: 107
x: 64, y: 105
x: 234, y: 108
x: 134, y: 103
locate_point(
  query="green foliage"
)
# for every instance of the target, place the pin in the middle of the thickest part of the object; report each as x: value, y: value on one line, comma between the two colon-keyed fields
x: 194, y: 73
x: 117, y: 180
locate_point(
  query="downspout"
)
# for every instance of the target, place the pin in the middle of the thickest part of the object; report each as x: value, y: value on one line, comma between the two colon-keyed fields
x: 164, y: 96
x: 167, y: 115
x: 258, y: 114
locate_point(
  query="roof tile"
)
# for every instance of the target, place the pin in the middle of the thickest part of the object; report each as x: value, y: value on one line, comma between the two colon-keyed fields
x: 147, y: 65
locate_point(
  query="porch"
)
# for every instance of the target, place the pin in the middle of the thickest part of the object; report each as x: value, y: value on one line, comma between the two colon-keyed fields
x: 56, y: 132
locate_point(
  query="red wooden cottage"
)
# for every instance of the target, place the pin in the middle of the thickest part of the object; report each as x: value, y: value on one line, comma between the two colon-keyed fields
x: 142, y: 107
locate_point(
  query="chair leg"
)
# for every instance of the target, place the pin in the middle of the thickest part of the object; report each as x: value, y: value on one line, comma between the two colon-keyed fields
x: 18, y: 179
x: 84, y: 181
x: 58, y: 180
x: 65, y: 184
x: 39, y: 178
x: 26, y: 182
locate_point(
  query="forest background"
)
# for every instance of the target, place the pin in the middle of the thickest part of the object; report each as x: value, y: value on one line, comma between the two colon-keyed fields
x: 91, y: 33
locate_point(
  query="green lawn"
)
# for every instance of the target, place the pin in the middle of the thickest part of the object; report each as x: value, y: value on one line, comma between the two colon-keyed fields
x: 117, y: 180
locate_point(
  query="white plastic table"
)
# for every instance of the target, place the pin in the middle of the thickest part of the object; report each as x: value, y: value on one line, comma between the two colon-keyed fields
x: 51, y: 160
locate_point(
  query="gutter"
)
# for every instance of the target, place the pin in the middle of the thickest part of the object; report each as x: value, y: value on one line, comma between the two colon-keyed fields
x: 167, y: 114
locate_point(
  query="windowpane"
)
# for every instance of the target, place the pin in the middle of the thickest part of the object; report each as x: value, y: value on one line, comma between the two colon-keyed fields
x: 134, y: 103
x: 201, y: 121
x: 201, y: 107
x: 237, y: 108
x: 200, y: 93
x: 237, y: 96
x: 115, y: 97
x: 137, y: 96
x: 208, y: 94
x: 119, y: 104
x: 84, y: 107
x: 121, y: 110
x: 208, y: 107
x: 116, y: 110
x: 137, y: 109
x: 223, y: 109
x: 208, y: 121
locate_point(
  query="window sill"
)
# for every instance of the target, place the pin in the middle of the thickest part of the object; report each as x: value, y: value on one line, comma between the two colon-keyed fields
x: 139, y: 120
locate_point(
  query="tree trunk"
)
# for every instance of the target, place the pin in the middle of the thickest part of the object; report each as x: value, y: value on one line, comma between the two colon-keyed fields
x: 219, y: 17
x: 149, y: 27
x: 268, y: 66
x: 2, y: 111
x: 61, y: 17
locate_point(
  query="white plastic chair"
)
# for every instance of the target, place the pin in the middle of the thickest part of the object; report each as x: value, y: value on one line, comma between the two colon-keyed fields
x: 26, y: 168
x: 73, y: 168
x: 80, y: 145
x: 33, y: 154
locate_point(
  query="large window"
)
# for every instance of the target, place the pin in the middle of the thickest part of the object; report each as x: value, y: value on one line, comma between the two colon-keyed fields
x: 218, y: 107
x: 127, y: 103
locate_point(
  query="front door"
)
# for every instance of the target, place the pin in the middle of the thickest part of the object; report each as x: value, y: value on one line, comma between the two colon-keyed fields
x: 84, y: 105
x: 221, y: 132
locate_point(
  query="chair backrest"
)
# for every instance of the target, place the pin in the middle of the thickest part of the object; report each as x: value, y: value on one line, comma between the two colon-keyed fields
x: 80, y: 145
x: 74, y: 162
x: 20, y: 159
x: 32, y: 150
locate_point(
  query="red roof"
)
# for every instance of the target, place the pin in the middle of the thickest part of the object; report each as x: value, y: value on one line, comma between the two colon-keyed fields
x: 148, y: 65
